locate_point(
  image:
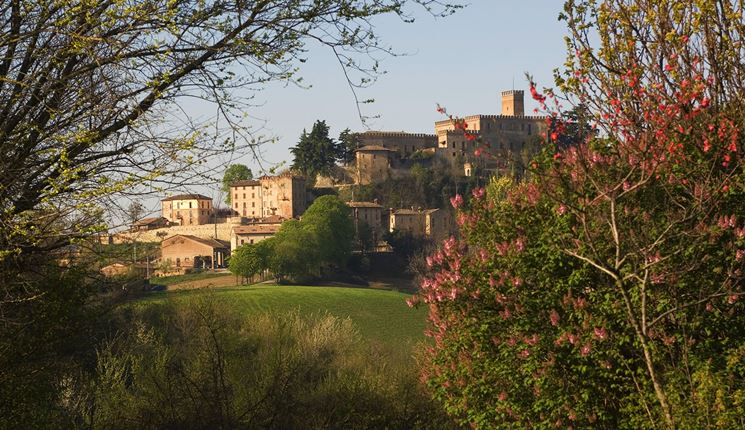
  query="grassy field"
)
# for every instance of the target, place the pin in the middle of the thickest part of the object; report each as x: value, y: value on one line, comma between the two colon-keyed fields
x: 380, y: 316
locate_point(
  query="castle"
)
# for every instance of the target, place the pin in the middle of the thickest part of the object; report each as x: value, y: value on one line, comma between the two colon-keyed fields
x: 503, y: 139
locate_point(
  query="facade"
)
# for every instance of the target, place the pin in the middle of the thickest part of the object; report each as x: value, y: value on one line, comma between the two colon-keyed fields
x: 252, y: 233
x: 189, y: 252
x: 405, y: 144
x: 187, y: 209
x: 373, y: 164
x: 245, y: 197
x: 282, y: 195
x: 433, y: 224
x: 507, y: 136
x: 371, y: 214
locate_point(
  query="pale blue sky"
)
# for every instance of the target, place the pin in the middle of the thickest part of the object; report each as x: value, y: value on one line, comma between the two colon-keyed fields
x: 462, y: 62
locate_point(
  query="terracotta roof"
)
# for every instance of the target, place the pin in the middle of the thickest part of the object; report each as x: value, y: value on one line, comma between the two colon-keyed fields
x: 209, y: 242
x: 187, y: 197
x: 256, y: 229
x: 373, y: 148
x: 363, y: 205
x: 245, y: 183
x: 274, y: 219
x: 407, y: 212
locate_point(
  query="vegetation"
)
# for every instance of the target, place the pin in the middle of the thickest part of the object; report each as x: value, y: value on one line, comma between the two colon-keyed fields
x: 606, y: 291
x: 90, y: 94
x: 177, y: 279
x: 203, y: 365
x: 348, y: 143
x: 315, y: 153
x: 234, y: 173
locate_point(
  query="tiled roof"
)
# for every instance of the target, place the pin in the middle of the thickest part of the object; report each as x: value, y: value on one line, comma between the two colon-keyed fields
x: 256, y: 229
x: 245, y: 183
x: 209, y: 242
x: 187, y: 197
x: 363, y: 205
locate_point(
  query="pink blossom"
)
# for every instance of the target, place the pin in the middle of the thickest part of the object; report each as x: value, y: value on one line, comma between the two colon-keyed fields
x: 456, y: 201
x: 585, y: 349
x: 413, y: 301
x: 517, y: 282
x: 732, y: 299
x: 478, y: 192
x: 483, y: 255
x: 739, y: 254
x: 554, y: 318
x: 600, y: 333
x: 561, y: 210
x: 524, y: 353
x: 502, y: 396
x: 572, y: 338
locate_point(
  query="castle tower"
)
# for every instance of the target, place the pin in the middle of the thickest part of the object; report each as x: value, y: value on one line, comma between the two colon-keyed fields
x: 513, y: 103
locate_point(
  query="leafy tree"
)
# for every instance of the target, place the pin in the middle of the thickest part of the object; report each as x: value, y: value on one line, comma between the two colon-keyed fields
x: 248, y: 260
x: 234, y: 172
x: 295, y: 253
x: 84, y: 90
x: 348, y: 143
x: 315, y: 152
x: 606, y: 291
x: 329, y: 219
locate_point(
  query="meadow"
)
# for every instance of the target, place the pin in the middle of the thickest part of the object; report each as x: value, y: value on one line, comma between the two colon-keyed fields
x: 381, y: 316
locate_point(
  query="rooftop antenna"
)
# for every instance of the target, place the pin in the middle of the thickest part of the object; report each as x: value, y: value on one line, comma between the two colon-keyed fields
x: 513, y: 82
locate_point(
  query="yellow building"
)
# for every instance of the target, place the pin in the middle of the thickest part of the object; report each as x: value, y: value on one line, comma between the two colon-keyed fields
x: 282, y: 195
x: 187, y: 209
x: 369, y: 213
x: 433, y: 224
x: 373, y: 164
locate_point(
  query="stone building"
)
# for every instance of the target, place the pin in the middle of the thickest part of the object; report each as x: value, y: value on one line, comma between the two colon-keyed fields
x: 189, y: 252
x: 254, y: 232
x: 150, y: 223
x: 433, y: 224
x: 187, y: 209
x: 370, y: 214
x: 282, y: 195
x: 404, y: 144
x: 373, y: 164
x: 508, y: 136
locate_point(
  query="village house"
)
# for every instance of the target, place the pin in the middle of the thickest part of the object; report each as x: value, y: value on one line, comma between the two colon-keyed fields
x: 251, y: 233
x: 432, y: 224
x: 283, y: 195
x: 370, y: 214
x: 187, y: 209
x: 185, y: 251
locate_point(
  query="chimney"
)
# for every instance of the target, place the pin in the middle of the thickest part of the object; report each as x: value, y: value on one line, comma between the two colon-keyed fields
x: 513, y: 103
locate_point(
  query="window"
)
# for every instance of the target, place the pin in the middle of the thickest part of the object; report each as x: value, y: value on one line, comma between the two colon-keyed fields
x: 244, y: 195
x: 236, y: 205
x: 253, y: 204
x: 236, y: 196
x: 529, y: 127
x: 453, y: 144
x: 189, y: 205
x: 253, y: 195
x: 251, y: 241
x: 242, y: 241
x: 178, y: 262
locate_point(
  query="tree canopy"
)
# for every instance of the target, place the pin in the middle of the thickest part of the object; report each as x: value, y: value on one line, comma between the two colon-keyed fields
x: 315, y: 153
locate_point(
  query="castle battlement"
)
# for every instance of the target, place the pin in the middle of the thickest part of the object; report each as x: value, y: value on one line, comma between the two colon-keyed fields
x: 402, y: 134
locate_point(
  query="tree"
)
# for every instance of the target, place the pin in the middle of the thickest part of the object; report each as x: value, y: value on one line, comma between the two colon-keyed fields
x: 135, y: 210
x: 89, y: 96
x: 329, y: 220
x: 248, y: 260
x: 606, y: 291
x: 234, y: 173
x: 295, y: 253
x: 315, y: 152
x: 348, y: 143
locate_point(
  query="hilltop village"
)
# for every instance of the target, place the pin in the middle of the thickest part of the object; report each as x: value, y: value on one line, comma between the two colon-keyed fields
x: 194, y: 234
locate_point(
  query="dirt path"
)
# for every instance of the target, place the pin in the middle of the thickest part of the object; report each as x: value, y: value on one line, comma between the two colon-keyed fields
x: 215, y: 281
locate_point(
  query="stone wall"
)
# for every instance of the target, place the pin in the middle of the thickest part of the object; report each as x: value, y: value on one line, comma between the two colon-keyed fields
x: 206, y: 231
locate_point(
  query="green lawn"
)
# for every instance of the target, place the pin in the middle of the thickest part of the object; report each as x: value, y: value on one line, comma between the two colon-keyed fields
x: 379, y: 315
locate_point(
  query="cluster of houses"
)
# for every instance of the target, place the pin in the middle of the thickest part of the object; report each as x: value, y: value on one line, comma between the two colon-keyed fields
x: 193, y: 233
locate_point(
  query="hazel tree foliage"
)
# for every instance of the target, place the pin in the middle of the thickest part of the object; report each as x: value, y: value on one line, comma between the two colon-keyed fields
x: 607, y: 290
x: 92, y: 93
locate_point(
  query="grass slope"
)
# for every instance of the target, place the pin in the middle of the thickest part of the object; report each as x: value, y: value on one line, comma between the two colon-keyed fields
x: 379, y: 315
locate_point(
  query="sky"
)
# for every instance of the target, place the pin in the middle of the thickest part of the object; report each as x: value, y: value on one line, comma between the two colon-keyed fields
x: 463, y: 62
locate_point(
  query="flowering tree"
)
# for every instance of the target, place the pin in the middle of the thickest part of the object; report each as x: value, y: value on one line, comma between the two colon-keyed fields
x: 605, y: 292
